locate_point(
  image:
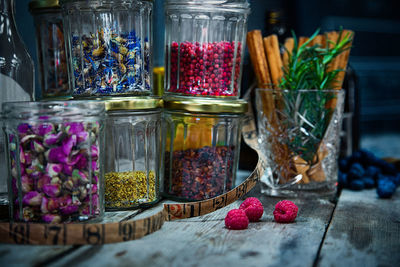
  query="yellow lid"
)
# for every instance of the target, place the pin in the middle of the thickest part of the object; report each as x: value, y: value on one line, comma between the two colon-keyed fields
x: 204, y: 105
x: 132, y: 103
x: 36, y: 5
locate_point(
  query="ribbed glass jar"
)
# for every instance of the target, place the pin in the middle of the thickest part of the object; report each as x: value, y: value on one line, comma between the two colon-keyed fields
x: 109, y: 46
x: 133, y: 145
x: 205, y: 44
x: 201, y: 147
x: 53, y: 71
x: 55, y: 160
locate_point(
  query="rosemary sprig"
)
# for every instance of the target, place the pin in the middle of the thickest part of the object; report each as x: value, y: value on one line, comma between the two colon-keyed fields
x: 308, y: 115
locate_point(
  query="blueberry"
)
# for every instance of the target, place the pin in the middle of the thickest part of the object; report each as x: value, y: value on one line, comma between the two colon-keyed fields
x: 356, y: 184
x: 356, y: 171
x: 396, y: 179
x: 369, y: 182
x: 386, y: 188
x: 372, y: 171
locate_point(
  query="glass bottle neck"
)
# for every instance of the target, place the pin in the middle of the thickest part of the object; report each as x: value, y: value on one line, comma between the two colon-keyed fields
x: 7, y: 6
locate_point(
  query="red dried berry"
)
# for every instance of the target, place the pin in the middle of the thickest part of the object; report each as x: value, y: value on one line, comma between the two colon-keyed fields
x: 285, y: 211
x: 253, y: 208
x: 236, y: 219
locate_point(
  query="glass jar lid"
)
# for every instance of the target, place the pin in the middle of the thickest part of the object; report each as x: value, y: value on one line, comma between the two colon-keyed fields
x: 47, y: 109
x: 226, y: 5
x: 202, y: 105
x: 132, y: 103
x: 39, y: 5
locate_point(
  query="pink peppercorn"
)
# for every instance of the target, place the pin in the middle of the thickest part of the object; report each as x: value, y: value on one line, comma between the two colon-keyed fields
x: 209, y: 64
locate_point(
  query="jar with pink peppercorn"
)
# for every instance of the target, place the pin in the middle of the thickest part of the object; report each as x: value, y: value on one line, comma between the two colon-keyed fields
x: 205, y: 42
x: 55, y: 160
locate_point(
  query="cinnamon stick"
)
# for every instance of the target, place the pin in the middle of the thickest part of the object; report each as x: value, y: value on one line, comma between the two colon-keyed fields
x: 271, y: 48
x: 343, y: 60
x: 302, y: 40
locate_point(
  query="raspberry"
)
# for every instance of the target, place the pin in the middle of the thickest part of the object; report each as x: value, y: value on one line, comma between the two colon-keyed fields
x: 236, y: 219
x: 285, y: 211
x: 253, y: 208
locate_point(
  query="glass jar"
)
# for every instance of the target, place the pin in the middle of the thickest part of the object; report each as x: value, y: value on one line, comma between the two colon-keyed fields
x: 201, y: 146
x: 109, y: 46
x: 55, y: 160
x: 205, y: 44
x: 53, y: 72
x: 133, y: 144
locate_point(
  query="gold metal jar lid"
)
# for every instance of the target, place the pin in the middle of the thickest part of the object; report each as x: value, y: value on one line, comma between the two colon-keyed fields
x: 132, y: 103
x: 203, y: 105
x: 37, y: 5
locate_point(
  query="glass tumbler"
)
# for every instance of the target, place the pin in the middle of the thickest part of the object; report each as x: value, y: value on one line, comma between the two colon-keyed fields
x: 109, y: 46
x: 133, y: 145
x: 201, y: 147
x: 55, y: 160
x: 53, y: 71
x: 205, y: 44
x: 298, y: 134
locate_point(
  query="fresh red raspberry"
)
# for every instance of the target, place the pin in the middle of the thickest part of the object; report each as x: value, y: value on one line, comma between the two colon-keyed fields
x: 285, y: 211
x: 253, y: 208
x: 249, y: 201
x: 236, y: 219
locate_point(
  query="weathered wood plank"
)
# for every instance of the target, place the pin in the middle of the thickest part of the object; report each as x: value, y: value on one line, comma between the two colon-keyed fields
x: 365, y: 231
x: 204, y: 241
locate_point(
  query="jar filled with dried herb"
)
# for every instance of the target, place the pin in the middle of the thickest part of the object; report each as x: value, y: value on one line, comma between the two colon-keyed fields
x: 133, y: 143
x: 109, y: 46
x: 201, y: 146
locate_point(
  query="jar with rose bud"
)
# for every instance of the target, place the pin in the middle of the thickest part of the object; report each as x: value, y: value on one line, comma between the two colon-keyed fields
x: 55, y: 160
x: 205, y: 44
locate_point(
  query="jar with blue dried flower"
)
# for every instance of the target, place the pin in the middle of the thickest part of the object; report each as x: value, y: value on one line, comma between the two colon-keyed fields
x: 109, y: 47
x: 55, y: 160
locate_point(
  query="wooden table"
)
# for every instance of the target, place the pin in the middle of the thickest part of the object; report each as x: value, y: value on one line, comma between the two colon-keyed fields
x: 358, y: 230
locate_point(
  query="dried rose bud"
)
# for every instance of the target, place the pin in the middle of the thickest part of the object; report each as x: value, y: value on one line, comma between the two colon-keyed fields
x: 81, y: 176
x: 28, y: 214
x: 51, y: 218
x: 57, y: 155
x: 94, y: 166
x: 26, y: 183
x: 82, y: 163
x: 68, y: 144
x: 54, y: 169
x: 21, y: 155
x: 44, y: 205
x: 82, y: 137
x: 44, y: 129
x: 23, y: 128
x: 37, y: 146
x: 68, y: 184
x: 27, y: 138
x: 67, y: 169
x: 28, y: 158
x: 66, y: 210
x: 52, y: 190
x: 32, y: 198
x: 42, y: 181
x: 55, y: 180
x: 73, y: 127
x: 51, y: 139
x: 83, y: 193
x: 95, y: 152
x: 94, y: 188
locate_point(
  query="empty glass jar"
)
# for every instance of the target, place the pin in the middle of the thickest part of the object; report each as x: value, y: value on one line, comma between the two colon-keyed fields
x: 109, y: 46
x: 55, y: 160
x: 201, y: 146
x: 133, y: 145
x: 53, y: 71
x: 205, y: 44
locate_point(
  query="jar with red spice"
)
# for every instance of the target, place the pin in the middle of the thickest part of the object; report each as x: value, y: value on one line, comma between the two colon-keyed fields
x: 205, y: 44
x: 201, y: 146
